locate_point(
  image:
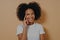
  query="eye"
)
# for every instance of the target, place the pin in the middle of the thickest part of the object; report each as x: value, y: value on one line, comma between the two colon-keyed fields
x: 32, y: 13
x: 27, y: 14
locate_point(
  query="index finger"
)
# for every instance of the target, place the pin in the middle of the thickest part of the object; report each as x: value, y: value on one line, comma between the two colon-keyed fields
x: 24, y: 18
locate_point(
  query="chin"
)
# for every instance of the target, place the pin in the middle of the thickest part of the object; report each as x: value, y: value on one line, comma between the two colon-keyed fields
x: 31, y: 21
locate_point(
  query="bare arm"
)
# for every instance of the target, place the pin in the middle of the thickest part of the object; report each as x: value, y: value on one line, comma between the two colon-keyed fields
x: 41, y: 36
x: 19, y: 36
x: 23, y: 36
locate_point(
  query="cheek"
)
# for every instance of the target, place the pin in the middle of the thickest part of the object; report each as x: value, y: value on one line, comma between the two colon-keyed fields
x: 27, y: 16
x: 33, y: 16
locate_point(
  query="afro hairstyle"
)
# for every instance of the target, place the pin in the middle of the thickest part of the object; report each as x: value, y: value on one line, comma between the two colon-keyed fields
x: 23, y: 7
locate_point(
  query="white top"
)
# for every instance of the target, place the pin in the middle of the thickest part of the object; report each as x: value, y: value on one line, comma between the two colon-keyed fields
x: 34, y: 31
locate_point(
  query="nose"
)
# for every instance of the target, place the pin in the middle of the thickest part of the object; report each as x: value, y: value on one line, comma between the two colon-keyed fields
x: 31, y: 16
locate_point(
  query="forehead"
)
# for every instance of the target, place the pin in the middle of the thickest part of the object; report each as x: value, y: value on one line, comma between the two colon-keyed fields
x: 29, y: 10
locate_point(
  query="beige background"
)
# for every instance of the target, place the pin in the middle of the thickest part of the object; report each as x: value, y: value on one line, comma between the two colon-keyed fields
x: 50, y: 18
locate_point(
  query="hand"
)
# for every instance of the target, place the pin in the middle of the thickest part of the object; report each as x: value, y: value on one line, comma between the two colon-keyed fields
x: 25, y: 22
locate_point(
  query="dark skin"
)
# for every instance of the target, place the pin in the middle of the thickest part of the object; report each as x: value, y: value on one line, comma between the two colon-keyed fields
x: 28, y: 20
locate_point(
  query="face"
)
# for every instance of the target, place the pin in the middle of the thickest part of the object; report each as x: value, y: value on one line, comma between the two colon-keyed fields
x: 29, y: 14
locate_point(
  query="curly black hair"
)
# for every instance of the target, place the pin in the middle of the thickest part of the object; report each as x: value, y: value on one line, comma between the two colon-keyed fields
x: 23, y: 7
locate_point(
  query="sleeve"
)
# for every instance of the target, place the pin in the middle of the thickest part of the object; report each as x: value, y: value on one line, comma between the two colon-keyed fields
x: 19, y: 29
x: 41, y: 30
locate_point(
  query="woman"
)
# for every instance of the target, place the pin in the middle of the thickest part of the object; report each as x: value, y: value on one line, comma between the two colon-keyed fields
x: 29, y: 29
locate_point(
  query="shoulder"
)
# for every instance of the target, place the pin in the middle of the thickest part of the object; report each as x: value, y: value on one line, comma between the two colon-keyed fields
x: 19, y: 29
x: 20, y: 26
x: 39, y: 25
